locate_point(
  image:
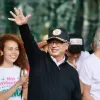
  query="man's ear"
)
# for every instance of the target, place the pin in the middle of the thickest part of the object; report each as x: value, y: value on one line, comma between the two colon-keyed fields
x: 67, y: 45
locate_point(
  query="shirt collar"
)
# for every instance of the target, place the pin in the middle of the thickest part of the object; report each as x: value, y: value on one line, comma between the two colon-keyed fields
x: 58, y: 63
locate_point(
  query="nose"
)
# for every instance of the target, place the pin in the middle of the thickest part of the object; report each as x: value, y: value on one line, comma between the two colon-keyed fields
x: 53, y: 44
x: 14, y: 51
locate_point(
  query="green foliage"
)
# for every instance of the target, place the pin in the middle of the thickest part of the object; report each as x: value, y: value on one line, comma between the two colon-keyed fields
x: 81, y: 17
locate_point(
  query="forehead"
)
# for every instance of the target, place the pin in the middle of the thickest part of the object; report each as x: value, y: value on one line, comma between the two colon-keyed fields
x: 55, y: 40
x: 10, y: 43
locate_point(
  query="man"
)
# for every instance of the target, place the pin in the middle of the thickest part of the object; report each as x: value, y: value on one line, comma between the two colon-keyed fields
x: 51, y: 77
x: 76, y: 53
x: 90, y: 72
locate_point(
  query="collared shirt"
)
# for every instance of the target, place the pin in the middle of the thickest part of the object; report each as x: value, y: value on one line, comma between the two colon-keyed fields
x: 58, y: 63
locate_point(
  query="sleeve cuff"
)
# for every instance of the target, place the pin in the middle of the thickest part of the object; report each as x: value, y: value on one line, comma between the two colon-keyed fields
x: 84, y: 81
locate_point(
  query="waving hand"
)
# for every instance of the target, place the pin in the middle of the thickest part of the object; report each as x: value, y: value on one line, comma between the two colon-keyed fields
x: 18, y: 17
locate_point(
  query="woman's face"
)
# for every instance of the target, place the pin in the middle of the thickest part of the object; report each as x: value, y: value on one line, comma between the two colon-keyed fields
x: 11, y: 51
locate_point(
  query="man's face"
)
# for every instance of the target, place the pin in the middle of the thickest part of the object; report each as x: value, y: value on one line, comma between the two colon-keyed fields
x: 57, y: 48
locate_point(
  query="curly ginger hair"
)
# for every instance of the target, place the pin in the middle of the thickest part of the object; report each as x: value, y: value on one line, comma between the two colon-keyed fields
x: 22, y: 60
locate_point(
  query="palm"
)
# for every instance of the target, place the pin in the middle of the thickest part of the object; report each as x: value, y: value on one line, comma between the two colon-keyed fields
x: 19, y: 18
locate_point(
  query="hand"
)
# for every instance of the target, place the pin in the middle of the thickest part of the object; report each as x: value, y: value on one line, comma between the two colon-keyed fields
x: 19, y: 18
x: 25, y: 85
x: 23, y: 80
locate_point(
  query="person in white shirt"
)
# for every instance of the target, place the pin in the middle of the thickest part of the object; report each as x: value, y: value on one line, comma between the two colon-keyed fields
x: 12, y: 61
x: 90, y: 72
x: 76, y: 53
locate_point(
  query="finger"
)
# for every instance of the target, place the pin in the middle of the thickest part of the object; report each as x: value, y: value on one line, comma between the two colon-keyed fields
x: 28, y: 16
x: 26, y: 75
x: 20, y: 11
x: 11, y: 19
x: 12, y: 14
x: 16, y: 11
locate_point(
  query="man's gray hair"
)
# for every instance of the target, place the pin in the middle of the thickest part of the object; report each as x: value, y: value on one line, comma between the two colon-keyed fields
x: 97, y: 39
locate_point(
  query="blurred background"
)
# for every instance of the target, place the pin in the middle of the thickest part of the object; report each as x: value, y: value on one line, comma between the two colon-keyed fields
x: 80, y: 17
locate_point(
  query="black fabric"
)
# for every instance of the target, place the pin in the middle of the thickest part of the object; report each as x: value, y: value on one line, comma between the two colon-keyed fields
x: 46, y: 80
x: 91, y: 51
x: 75, y: 48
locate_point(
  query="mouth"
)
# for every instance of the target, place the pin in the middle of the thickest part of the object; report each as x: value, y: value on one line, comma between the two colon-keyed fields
x: 13, y: 57
x: 54, y: 50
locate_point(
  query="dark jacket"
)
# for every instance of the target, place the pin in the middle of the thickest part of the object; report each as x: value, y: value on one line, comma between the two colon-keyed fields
x: 46, y: 80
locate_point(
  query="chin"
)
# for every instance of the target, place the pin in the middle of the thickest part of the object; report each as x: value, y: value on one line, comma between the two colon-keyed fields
x: 13, y: 60
x: 54, y: 54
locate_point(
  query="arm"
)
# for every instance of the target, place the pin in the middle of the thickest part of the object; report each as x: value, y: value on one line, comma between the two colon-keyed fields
x: 81, y: 85
x: 86, y: 79
x: 32, y: 50
x: 25, y: 91
x: 10, y: 92
x: 25, y: 94
x: 24, y: 86
x: 86, y: 93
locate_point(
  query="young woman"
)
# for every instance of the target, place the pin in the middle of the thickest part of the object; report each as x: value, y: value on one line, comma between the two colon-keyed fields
x: 12, y: 62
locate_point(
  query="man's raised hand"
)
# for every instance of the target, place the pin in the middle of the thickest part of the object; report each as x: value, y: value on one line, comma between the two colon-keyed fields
x: 18, y: 17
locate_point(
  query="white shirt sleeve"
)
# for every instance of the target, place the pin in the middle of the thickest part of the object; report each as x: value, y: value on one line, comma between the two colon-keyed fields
x: 85, y: 74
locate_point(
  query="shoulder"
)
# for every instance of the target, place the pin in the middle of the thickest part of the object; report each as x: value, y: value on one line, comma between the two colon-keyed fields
x: 85, y: 54
x: 87, y: 64
x: 89, y: 59
x: 71, y: 69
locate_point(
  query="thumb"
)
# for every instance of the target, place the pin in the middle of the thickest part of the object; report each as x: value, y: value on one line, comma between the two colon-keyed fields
x: 28, y: 16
